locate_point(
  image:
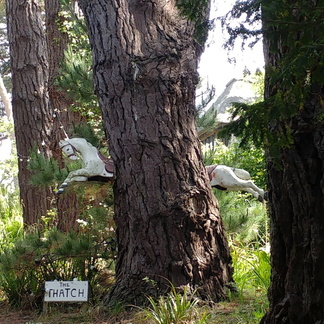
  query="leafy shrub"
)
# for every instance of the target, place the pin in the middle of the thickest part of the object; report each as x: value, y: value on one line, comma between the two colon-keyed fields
x: 252, y: 269
x: 48, y: 254
x: 10, y: 209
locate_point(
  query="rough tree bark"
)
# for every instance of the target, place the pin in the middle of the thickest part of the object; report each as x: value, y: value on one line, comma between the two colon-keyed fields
x: 168, y: 224
x: 296, y: 181
x: 32, y: 117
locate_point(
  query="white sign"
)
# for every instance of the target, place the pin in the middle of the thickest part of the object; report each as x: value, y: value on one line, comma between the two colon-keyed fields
x: 64, y: 291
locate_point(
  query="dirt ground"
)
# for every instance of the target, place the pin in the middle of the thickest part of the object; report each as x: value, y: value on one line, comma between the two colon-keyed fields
x: 16, y: 317
x: 71, y: 315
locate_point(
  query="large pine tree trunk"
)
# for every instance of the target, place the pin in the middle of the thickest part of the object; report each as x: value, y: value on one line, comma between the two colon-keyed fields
x: 296, y: 172
x: 32, y: 117
x: 168, y: 224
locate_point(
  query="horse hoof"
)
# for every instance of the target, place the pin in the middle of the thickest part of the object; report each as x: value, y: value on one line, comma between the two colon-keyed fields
x: 58, y: 192
x: 266, y: 196
x: 260, y: 198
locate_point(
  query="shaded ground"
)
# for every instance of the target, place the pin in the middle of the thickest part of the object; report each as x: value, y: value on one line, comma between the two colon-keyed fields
x: 15, y: 317
x: 68, y: 315
x: 238, y: 311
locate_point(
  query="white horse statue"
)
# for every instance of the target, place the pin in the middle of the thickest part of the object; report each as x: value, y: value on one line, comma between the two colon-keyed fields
x: 227, y: 178
x: 96, y: 165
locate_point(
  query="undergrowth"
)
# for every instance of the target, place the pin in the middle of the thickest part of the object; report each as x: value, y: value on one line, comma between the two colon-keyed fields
x: 30, y: 257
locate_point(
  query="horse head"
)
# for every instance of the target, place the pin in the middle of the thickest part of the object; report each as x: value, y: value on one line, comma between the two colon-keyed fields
x: 68, y: 149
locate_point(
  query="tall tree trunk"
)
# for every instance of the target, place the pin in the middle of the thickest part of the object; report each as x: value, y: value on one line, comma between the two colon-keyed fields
x: 296, y: 172
x: 168, y: 224
x: 67, y: 204
x: 31, y: 113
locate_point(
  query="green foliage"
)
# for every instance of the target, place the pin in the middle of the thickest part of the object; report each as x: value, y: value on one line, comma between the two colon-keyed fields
x: 4, y: 48
x: 249, y: 122
x: 89, y: 132
x: 10, y: 216
x: 248, y: 309
x: 10, y: 209
x: 45, y: 171
x: 8, y: 167
x: 48, y: 254
x: 207, y: 121
x: 75, y: 76
x: 11, y: 224
x: 76, y: 80
x: 174, y: 308
x: 246, y: 224
x: 252, y: 272
x: 243, y: 21
x: 252, y: 269
x: 73, y: 25
x: 197, y: 11
x: 245, y: 218
x: 249, y: 158
x: 294, y: 32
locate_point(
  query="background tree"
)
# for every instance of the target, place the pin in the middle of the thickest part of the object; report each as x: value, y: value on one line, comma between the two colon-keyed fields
x: 31, y: 111
x: 168, y: 224
x: 294, y: 91
x: 58, y: 40
x: 59, y: 118
x: 4, y: 62
x: 289, y: 122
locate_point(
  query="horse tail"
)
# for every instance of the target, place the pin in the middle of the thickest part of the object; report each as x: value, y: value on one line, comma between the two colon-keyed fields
x: 242, y: 174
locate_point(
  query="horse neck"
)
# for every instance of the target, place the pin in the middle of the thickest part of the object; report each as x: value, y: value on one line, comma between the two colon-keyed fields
x: 86, y: 150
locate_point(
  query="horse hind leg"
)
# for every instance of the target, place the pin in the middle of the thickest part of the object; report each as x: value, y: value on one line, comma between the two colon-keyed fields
x: 256, y: 191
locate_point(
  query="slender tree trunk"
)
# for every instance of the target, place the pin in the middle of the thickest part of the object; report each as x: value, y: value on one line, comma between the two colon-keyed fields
x: 296, y: 174
x: 32, y: 117
x: 168, y: 224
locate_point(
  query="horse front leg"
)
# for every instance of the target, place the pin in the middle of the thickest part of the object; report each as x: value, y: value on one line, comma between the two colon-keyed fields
x: 74, y: 176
